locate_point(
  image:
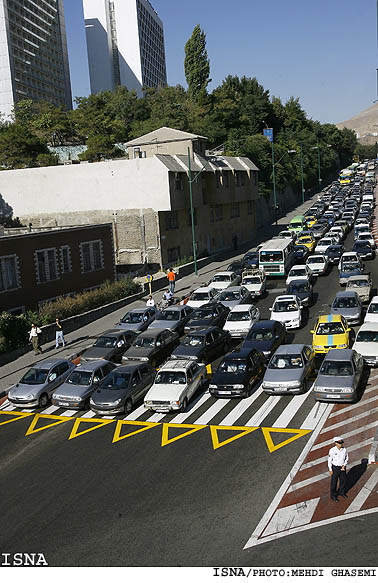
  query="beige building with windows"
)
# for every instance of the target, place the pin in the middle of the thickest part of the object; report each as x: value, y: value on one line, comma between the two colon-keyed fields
x: 147, y: 198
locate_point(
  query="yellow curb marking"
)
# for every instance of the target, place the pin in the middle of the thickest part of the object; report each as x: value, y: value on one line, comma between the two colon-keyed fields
x: 18, y: 416
x: 164, y: 434
x: 58, y: 420
x: 208, y: 369
x: 214, y: 433
x: 144, y: 426
x: 99, y: 423
x: 268, y: 430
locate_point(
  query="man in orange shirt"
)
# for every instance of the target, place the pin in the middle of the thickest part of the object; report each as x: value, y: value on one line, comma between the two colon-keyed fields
x: 171, y: 278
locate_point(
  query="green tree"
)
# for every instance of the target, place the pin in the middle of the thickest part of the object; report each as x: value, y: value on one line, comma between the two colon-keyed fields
x: 100, y: 147
x: 196, y: 64
x: 20, y: 148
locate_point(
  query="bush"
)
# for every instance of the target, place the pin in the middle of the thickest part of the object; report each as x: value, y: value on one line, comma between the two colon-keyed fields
x: 13, y: 331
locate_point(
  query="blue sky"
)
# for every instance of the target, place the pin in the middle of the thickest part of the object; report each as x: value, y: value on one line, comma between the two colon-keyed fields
x: 322, y: 51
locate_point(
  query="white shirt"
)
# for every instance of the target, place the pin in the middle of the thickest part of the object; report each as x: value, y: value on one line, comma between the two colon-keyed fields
x: 150, y: 302
x: 34, y: 332
x: 337, y: 457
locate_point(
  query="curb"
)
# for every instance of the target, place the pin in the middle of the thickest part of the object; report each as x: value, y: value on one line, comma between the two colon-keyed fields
x: 374, y: 450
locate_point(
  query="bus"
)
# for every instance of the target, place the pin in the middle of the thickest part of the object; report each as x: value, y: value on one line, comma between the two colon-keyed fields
x: 276, y: 257
x: 297, y: 224
x: 346, y: 176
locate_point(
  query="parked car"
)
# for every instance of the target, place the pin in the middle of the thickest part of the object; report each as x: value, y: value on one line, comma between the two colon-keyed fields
x: 39, y: 382
x: 289, y: 370
x: 372, y: 311
x: 122, y: 388
x: 318, y: 264
x: 255, y: 281
x: 339, y: 376
x: 288, y: 310
x: 201, y: 296
x: 174, y: 385
x: 223, y: 280
x: 363, y: 249
x: 349, y: 270
x: 265, y: 336
x: 233, y: 296
x: 173, y: 318
x: 366, y: 343
x: 78, y: 387
x: 214, y: 314
x: 241, y: 319
x: 138, y: 319
x: 331, y: 331
x: 348, y: 304
x: 152, y: 346
x: 299, y: 272
x: 361, y: 284
x: 203, y: 345
x: 302, y: 289
x: 237, y: 374
x: 111, y: 345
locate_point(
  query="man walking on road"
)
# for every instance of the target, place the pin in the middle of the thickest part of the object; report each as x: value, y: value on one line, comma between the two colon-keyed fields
x: 171, y: 278
x: 337, y: 462
x: 58, y: 333
x: 34, y: 338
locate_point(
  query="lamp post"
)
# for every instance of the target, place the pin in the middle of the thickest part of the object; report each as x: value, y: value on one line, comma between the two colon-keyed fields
x: 274, y: 176
x: 319, y: 177
x: 191, y: 180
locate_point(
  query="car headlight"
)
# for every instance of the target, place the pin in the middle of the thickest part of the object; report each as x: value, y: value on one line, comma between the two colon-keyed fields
x: 318, y: 347
x: 117, y: 402
x: 31, y: 396
x: 212, y: 386
x: 148, y: 403
x: 343, y: 345
x: 172, y: 403
x: 193, y: 357
x: 320, y: 389
x: 91, y: 401
x: 76, y: 399
x: 238, y: 386
x: 268, y: 384
x: 294, y: 384
x: 144, y: 358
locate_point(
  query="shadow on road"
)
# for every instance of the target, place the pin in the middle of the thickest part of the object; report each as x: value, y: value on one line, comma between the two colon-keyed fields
x: 355, y: 474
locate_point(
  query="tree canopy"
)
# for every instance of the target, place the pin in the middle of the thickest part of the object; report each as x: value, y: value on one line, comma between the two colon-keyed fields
x: 197, y: 64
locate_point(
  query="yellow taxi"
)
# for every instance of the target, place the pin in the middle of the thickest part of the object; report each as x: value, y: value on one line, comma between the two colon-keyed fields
x: 331, y: 331
x: 311, y: 221
x: 306, y: 240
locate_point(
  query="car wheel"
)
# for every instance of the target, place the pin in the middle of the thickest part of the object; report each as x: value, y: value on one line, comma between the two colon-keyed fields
x: 128, y: 406
x: 184, y: 404
x: 43, y: 400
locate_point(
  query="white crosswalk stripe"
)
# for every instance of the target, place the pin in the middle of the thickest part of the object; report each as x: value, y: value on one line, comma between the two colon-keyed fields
x: 263, y: 412
x: 50, y: 410
x: 238, y: 411
x: 289, y: 411
x: 315, y: 415
x: 212, y: 411
x: 182, y: 417
x: 135, y: 414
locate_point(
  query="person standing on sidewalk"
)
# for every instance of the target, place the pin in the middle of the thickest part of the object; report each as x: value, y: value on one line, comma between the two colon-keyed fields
x: 34, y: 338
x: 337, y: 462
x: 59, y: 333
x: 172, y: 280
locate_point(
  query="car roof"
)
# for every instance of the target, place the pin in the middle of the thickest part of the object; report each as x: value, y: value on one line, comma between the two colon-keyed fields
x: 232, y: 288
x: 242, y: 308
x: 359, y: 277
x: 339, y: 354
x: 239, y: 353
x: 179, y: 364
x: 209, y: 307
x: 91, y: 365
x: 203, y: 331
x: 345, y: 294
x: 175, y: 308
x: 152, y: 332
x: 267, y: 323
x: 204, y: 289
x: 317, y: 255
x: 286, y: 297
x: 330, y: 318
x: 299, y: 281
x: 113, y: 332
x: 294, y: 267
x: 222, y: 273
x: 49, y: 362
x: 130, y: 367
x: 143, y: 309
x: 373, y: 326
x: 289, y: 348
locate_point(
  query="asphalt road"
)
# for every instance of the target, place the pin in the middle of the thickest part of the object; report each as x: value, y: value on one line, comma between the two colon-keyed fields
x: 90, y: 502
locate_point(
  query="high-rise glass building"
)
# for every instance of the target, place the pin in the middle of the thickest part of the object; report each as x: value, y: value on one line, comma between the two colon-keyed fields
x: 125, y: 42
x: 33, y: 53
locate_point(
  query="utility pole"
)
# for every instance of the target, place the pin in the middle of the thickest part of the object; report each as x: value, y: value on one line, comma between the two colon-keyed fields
x: 192, y: 212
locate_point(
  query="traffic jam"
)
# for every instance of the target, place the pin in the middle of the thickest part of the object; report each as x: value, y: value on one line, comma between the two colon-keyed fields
x: 156, y: 359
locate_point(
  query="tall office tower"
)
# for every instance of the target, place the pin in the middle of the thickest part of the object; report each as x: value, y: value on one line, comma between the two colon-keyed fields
x: 125, y: 42
x: 33, y: 53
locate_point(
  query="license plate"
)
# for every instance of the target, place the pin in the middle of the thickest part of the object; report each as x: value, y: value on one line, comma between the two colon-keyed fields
x: 334, y: 396
x: 223, y: 392
x: 62, y: 404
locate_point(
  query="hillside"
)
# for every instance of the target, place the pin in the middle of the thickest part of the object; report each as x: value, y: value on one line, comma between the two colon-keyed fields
x: 365, y: 124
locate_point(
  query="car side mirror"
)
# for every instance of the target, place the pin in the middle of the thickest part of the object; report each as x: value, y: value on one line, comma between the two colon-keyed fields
x: 270, y: 309
x: 312, y: 331
x: 348, y: 330
x: 158, y: 343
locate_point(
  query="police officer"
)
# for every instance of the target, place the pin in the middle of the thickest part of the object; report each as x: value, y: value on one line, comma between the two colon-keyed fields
x: 337, y: 462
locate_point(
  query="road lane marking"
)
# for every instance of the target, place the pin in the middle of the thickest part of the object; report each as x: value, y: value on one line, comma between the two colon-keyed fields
x: 99, y: 423
x: 57, y: 420
x: 269, y: 441
x: 68, y: 413
x: 214, y: 434
x: 165, y: 439
x: 264, y: 411
x: 291, y: 409
x: 363, y: 494
x: 292, y: 516
x: 183, y: 416
x: 50, y: 410
x: 135, y: 414
x: 315, y: 415
x: 88, y: 415
x: 324, y: 458
x: 212, y: 411
x: 143, y: 426
x: 242, y: 406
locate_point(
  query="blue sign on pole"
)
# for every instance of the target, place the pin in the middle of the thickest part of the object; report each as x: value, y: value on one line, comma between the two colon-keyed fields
x: 268, y: 133
x: 149, y: 278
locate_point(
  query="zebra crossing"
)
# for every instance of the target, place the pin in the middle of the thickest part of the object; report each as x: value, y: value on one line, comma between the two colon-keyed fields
x: 299, y: 411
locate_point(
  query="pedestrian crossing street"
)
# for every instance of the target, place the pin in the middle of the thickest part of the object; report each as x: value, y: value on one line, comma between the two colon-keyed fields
x: 259, y: 409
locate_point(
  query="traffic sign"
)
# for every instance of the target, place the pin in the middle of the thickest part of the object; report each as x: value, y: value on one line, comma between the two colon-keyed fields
x: 268, y: 133
x: 149, y: 278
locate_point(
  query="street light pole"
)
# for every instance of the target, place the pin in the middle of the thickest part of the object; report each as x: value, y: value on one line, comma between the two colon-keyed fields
x: 302, y: 174
x: 319, y: 177
x: 274, y: 184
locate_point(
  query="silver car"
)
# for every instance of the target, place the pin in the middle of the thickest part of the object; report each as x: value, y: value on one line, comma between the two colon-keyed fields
x: 339, y: 376
x: 233, y: 296
x: 362, y: 285
x: 289, y: 370
x: 137, y: 320
x: 76, y: 390
x: 173, y: 318
x: 38, y: 383
x: 347, y: 304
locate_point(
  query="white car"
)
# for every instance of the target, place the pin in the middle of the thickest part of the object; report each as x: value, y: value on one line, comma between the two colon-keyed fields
x: 366, y: 343
x: 174, y: 385
x: 241, y: 319
x: 298, y: 272
x: 318, y: 264
x: 223, y: 280
x: 255, y: 281
x: 324, y: 243
x: 288, y: 310
x: 201, y: 296
x: 367, y: 236
x: 286, y: 235
x: 349, y: 257
x: 336, y: 233
x: 372, y: 311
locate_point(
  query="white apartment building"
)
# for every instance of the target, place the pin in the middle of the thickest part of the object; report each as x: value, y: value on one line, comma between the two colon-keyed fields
x: 125, y: 43
x: 33, y: 53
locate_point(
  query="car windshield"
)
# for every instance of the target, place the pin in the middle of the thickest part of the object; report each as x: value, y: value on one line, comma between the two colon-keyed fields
x: 261, y: 334
x: 35, y: 376
x: 271, y: 255
x: 361, y: 245
x: 306, y: 240
x: 250, y: 256
x: 251, y: 280
x: 285, y: 306
x: 144, y: 342
x: 200, y: 297
x: 325, y: 242
x: 238, y: 316
x: 373, y: 308
x: 300, y: 249
x: 367, y: 336
x: 300, y: 271
x: 358, y: 283
x: 315, y: 260
x: 116, y: 380
x: 286, y: 361
x: 79, y: 377
x: 193, y: 340
x: 345, y: 302
x: 169, y: 315
x: 203, y: 313
x: 365, y: 237
x: 222, y: 277
x: 132, y: 318
x: 167, y: 377
x: 330, y: 328
x: 348, y: 267
x: 337, y: 368
x: 229, y: 296
x: 298, y: 288
x: 232, y: 366
x: 106, y: 342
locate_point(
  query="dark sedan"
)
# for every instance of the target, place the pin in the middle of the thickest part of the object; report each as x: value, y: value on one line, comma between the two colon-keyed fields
x: 334, y: 252
x: 152, y: 346
x: 251, y: 259
x: 121, y: 388
x: 301, y: 253
x: 265, y: 336
x: 236, y: 266
x: 302, y: 289
x: 237, y: 374
x: 208, y: 315
x: 203, y: 345
x: 319, y: 230
x: 110, y: 346
x: 363, y: 249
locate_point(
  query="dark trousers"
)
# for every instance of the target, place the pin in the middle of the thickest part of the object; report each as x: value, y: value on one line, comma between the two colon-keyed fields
x: 338, y: 475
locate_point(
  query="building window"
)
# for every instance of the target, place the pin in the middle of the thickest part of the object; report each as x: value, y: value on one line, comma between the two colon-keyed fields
x: 91, y: 256
x: 9, y: 273
x: 250, y: 207
x: 179, y: 184
x: 226, y: 179
x: 171, y: 220
x: 65, y: 259
x: 173, y: 254
x: 47, y: 265
x: 190, y: 217
x: 219, y: 212
x: 235, y: 210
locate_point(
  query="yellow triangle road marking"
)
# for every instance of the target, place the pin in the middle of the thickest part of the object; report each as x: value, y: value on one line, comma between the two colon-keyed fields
x: 143, y: 424
x: 57, y: 420
x: 99, y: 423
x: 214, y: 433
x: 164, y: 435
x: 16, y: 416
x: 269, y: 442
